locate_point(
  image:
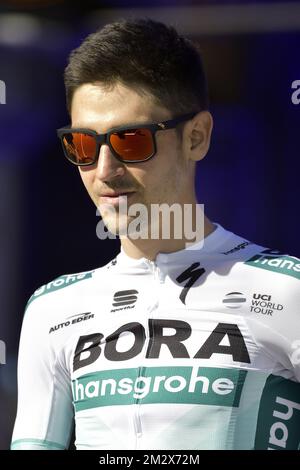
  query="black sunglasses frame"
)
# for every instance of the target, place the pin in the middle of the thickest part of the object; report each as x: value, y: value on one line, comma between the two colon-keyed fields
x: 105, y: 138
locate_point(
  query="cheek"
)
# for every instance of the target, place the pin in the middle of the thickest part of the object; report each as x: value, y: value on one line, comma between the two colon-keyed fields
x: 159, y: 176
x: 86, y: 178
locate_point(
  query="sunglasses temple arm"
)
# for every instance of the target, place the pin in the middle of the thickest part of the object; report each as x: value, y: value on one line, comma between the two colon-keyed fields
x: 173, y: 122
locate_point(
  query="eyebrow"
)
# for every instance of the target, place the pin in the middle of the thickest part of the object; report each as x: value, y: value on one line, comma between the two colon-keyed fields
x: 125, y: 125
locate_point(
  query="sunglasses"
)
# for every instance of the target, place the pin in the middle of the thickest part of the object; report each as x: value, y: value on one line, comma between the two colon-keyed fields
x: 130, y: 144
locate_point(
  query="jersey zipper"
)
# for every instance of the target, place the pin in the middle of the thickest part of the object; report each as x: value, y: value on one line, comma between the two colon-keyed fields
x: 158, y: 277
x: 158, y: 274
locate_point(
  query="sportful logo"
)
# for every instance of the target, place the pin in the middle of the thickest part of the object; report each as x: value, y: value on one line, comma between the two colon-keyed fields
x: 277, y: 262
x: 124, y: 299
x: 234, y: 300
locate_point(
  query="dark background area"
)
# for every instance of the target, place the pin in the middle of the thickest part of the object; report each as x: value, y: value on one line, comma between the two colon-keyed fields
x: 249, y: 181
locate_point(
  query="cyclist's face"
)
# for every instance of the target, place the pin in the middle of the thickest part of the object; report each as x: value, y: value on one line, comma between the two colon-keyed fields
x: 166, y: 178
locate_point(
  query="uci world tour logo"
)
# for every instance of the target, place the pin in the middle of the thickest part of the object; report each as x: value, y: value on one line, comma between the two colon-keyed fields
x: 234, y: 300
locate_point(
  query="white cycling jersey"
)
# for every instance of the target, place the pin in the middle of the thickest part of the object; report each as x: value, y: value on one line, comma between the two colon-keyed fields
x: 199, y: 349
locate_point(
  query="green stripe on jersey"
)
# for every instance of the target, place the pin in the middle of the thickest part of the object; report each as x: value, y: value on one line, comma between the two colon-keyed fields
x: 59, y: 283
x: 287, y: 265
x: 40, y: 442
x: 190, y: 385
x: 278, y: 424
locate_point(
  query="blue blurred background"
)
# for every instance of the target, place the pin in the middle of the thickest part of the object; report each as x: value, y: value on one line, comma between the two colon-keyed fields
x: 248, y: 181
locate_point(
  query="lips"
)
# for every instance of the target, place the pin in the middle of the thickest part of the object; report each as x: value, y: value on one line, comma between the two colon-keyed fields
x: 115, y: 198
x: 117, y: 194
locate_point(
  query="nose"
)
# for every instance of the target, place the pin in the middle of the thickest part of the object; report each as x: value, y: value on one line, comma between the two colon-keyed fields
x: 108, y: 167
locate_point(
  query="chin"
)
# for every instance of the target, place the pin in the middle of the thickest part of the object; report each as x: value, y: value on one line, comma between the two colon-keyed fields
x: 117, y: 227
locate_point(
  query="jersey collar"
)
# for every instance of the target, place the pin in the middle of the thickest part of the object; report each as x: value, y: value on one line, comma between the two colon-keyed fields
x: 209, y: 244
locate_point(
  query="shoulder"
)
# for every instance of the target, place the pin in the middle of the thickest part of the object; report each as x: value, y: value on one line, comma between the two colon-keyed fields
x: 269, y: 281
x: 66, y: 291
x: 63, y: 282
x: 257, y: 267
x: 259, y: 259
x: 275, y: 262
x: 278, y: 271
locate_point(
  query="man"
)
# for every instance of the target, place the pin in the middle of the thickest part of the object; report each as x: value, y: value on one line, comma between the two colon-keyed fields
x: 173, y: 344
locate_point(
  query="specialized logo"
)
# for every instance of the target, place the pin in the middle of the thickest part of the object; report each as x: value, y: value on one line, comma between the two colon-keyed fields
x: 124, y: 299
x: 273, y: 260
x: 262, y: 303
x: 60, y: 283
x: 79, y: 317
x: 239, y: 247
x: 234, y: 300
x: 192, y: 385
x: 128, y: 342
x: 191, y: 274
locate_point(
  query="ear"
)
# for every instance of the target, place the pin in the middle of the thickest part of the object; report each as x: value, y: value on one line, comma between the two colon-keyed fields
x: 196, y: 135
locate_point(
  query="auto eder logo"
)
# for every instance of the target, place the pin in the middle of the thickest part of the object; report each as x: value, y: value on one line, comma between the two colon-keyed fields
x: 79, y: 317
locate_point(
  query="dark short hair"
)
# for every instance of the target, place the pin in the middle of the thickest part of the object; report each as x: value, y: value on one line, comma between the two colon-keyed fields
x: 143, y: 54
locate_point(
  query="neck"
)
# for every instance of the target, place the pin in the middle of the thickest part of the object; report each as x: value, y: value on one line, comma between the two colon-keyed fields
x: 150, y: 247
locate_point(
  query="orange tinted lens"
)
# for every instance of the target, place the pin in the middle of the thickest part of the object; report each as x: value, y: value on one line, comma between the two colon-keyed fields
x: 133, y: 144
x: 80, y: 148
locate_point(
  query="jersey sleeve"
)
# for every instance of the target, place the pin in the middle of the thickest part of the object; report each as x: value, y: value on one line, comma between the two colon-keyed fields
x: 45, y: 412
x: 279, y: 334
